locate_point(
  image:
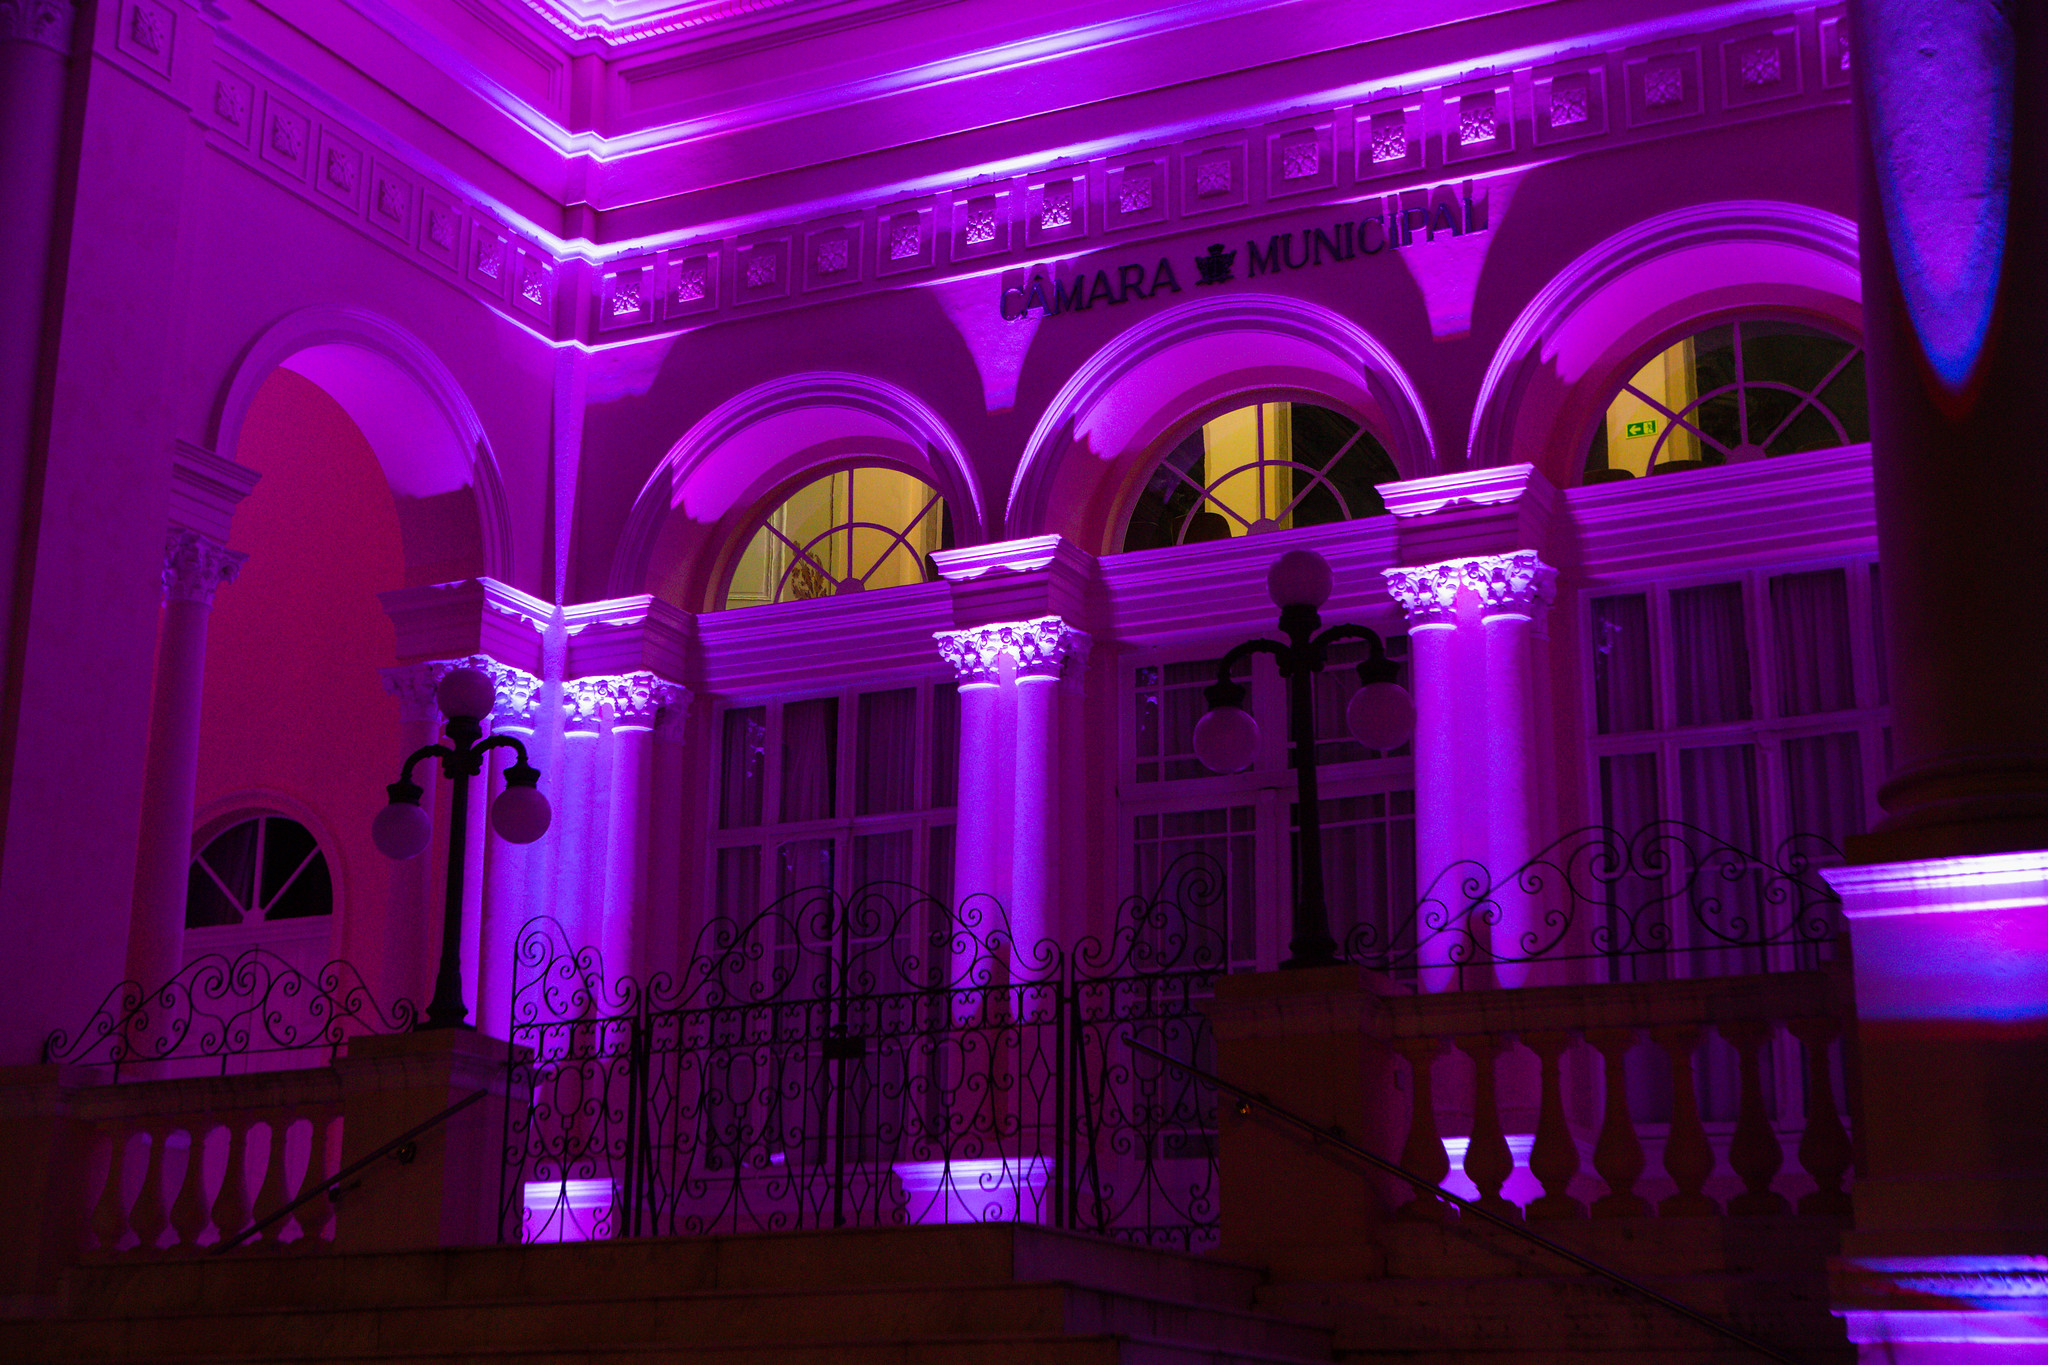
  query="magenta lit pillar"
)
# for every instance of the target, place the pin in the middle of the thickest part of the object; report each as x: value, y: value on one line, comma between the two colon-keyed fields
x: 504, y: 900
x: 1512, y: 591
x: 637, y: 701
x: 1045, y: 649
x: 981, y: 657
x: 194, y: 567
x: 1429, y: 595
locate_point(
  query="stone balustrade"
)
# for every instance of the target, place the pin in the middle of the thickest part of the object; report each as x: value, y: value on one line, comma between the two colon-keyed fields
x: 1602, y: 1055
x: 176, y: 1166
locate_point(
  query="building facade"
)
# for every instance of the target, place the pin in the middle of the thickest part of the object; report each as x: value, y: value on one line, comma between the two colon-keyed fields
x: 850, y: 435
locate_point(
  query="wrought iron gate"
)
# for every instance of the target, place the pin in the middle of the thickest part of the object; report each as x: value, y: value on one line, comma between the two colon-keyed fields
x: 873, y: 1058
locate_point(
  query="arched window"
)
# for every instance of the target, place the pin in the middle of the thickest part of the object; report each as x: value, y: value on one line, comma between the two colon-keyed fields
x: 1742, y: 391
x: 264, y: 868
x: 861, y: 528
x: 1267, y: 467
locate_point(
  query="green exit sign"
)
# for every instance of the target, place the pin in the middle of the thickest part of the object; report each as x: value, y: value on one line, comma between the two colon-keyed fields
x: 1635, y: 430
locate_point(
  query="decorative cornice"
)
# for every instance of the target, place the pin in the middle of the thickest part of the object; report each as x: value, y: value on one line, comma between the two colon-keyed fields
x: 1428, y: 593
x: 636, y: 700
x: 50, y: 23
x: 195, y: 566
x: 1516, y: 584
x: 1040, y: 648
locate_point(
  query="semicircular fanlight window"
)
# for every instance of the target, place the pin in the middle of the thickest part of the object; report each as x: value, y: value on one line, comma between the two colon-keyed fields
x: 265, y: 868
x: 1748, y: 390
x: 1266, y: 467
x: 851, y: 531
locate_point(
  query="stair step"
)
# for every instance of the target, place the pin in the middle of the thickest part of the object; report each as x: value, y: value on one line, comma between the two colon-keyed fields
x: 969, y: 1253
x: 714, y: 1317
x: 1634, y: 1246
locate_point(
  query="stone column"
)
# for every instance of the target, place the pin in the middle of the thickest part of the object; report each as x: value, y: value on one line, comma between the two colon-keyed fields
x: 636, y: 702
x: 194, y: 567
x: 406, y: 949
x: 35, y: 43
x: 509, y: 871
x: 1472, y: 632
x: 1046, y: 650
x: 980, y: 852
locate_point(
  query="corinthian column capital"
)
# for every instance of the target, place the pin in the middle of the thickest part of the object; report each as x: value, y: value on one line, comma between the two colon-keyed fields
x: 1044, y: 647
x: 1515, y: 584
x: 633, y: 699
x: 48, y: 22
x: 1428, y: 593
x: 195, y: 566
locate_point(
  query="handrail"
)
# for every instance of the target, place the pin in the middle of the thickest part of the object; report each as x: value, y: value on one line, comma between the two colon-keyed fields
x: 1423, y: 1185
x: 404, y: 1139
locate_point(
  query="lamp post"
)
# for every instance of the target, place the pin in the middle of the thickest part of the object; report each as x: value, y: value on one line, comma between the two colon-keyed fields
x: 402, y: 830
x: 1381, y: 715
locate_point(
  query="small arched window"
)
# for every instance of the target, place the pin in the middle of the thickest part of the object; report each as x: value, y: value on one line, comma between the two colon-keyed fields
x: 1267, y: 467
x: 1741, y: 391
x: 862, y: 528
x: 267, y: 867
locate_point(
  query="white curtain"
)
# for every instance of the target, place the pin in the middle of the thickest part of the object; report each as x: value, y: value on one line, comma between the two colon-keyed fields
x: 885, y: 754
x: 1710, y: 655
x: 1622, y: 695
x: 810, y: 758
x: 1810, y: 627
x: 743, y: 751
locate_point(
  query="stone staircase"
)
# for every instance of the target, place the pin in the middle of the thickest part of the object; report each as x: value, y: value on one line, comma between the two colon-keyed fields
x: 949, y: 1295
x: 1459, y: 1295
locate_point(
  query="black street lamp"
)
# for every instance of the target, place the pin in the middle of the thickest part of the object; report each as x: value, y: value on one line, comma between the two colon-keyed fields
x: 402, y: 830
x: 1381, y: 715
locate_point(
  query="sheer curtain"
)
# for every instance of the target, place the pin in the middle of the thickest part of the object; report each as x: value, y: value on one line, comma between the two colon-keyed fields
x: 885, y: 753
x: 810, y: 758
x: 1810, y: 620
x: 1710, y: 655
x: 1622, y: 695
x: 743, y: 755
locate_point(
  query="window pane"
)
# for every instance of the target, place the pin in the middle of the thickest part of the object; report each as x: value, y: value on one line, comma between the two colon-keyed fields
x: 885, y: 753
x: 311, y: 893
x: 743, y: 764
x: 232, y: 856
x: 1621, y: 664
x: 206, y: 905
x: 1369, y: 870
x: 738, y: 891
x: 1824, y: 786
x: 286, y: 845
x: 1628, y: 792
x: 1810, y: 619
x: 1170, y: 700
x: 1332, y: 690
x: 890, y: 857
x: 1710, y: 654
x: 945, y: 745
x: 804, y: 865
x: 810, y: 759
x: 1717, y: 793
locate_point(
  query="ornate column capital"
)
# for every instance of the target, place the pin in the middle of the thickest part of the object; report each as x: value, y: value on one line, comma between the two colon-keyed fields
x: 518, y: 691
x: 1514, y: 584
x: 631, y: 699
x: 49, y: 23
x: 1042, y: 648
x: 195, y: 566
x: 1428, y: 594
x: 413, y: 685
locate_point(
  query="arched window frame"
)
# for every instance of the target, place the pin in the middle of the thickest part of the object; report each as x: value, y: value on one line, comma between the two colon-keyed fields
x: 241, y: 811
x: 1179, y: 430
x: 762, y: 511
x: 1618, y: 379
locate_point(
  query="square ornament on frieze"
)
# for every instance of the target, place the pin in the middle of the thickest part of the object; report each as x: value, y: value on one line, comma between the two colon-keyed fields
x: 145, y: 33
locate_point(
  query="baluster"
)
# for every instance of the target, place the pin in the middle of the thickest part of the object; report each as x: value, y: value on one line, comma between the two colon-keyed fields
x: 188, y: 1210
x: 1618, y: 1154
x: 1554, y: 1160
x: 148, y: 1217
x: 1688, y: 1156
x: 110, y: 1214
x: 314, y: 1214
x: 1423, y: 1154
x: 1824, y: 1146
x: 231, y: 1204
x: 270, y: 1195
x: 1754, y: 1152
x: 1488, y: 1162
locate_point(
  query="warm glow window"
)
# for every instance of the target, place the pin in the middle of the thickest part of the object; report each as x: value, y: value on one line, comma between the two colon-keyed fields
x: 1752, y: 706
x: 1746, y: 390
x: 1267, y: 467
x: 854, y: 530
x: 1173, y: 806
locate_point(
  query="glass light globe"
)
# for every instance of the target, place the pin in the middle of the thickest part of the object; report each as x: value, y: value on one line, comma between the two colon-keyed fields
x: 1300, y: 578
x: 520, y: 814
x: 1226, y: 738
x: 401, y: 830
x: 1381, y: 715
x: 466, y: 692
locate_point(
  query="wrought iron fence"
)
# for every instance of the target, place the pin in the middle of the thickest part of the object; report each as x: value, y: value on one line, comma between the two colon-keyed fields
x: 874, y: 1058
x: 1671, y: 899
x: 254, y: 1009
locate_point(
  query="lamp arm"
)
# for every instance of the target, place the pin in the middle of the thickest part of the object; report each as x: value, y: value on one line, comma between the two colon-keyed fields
x: 504, y: 742
x: 419, y: 754
x: 1226, y: 691
x: 1344, y: 630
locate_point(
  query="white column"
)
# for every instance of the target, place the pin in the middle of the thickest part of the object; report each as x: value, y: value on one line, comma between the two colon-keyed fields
x: 582, y: 816
x: 1045, y: 650
x: 636, y: 702
x: 664, y: 931
x: 505, y: 897
x: 1429, y: 596
x: 983, y: 801
x: 405, y: 948
x: 1513, y: 591
x: 193, y: 568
